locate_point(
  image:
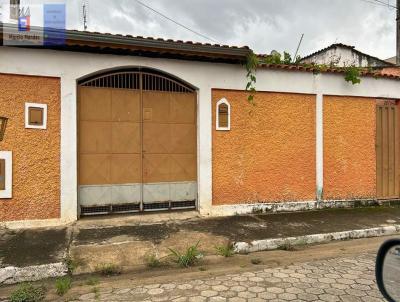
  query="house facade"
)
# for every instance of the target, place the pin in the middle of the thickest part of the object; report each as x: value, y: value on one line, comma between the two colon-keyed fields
x: 120, y: 124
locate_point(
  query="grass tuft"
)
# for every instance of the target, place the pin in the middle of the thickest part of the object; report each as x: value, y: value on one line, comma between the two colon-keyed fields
x: 96, y: 292
x: 256, y: 261
x: 189, y: 257
x: 225, y: 250
x: 153, y: 261
x: 109, y: 269
x: 27, y: 292
x: 63, y: 285
x: 72, y: 265
x: 92, y: 281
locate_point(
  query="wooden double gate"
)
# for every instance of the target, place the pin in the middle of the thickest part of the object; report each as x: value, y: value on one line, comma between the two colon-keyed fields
x: 387, y: 150
x: 137, y: 143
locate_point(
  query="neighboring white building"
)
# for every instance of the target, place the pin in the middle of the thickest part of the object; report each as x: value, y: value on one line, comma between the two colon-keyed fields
x: 342, y: 55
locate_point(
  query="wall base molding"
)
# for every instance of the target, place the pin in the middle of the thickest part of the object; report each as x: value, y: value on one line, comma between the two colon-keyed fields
x: 259, y: 208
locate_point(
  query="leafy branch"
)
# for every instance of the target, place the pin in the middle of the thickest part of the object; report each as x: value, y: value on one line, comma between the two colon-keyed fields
x: 252, y: 63
x: 352, y: 74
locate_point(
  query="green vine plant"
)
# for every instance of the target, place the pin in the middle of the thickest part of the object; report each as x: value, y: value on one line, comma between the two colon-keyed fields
x: 352, y: 74
x: 252, y: 63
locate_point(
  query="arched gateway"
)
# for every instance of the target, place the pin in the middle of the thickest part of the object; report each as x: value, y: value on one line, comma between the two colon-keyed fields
x: 137, y: 142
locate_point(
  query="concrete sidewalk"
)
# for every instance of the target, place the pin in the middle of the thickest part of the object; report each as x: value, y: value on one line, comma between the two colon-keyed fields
x: 127, y: 241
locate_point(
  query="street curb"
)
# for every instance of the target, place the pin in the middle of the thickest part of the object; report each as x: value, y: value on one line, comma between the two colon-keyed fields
x: 12, y: 274
x: 281, y: 243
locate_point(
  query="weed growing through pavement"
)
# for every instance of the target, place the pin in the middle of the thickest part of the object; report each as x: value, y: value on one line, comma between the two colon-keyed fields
x: 189, y: 257
x: 109, y: 269
x: 225, y: 250
x: 27, y: 292
x: 256, y: 261
x: 63, y: 285
x: 92, y: 281
x: 71, y: 264
x: 96, y: 292
x: 153, y: 261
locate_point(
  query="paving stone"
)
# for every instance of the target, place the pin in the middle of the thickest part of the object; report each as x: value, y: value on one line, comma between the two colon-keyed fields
x: 256, y: 289
x: 314, y: 291
x: 355, y: 292
x: 256, y: 279
x: 217, y: 299
x: 155, y: 291
x: 197, y: 299
x: 294, y: 290
x: 287, y: 297
x: 340, y: 286
x: 237, y: 299
x: 328, y: 298
x: 275, y: 290
x: 185, y: 286
x: 371, y: 299
x: 360, y: 287
x: 247, y: 295
x: 168, y: 286
x: 267, y: 296
x: 228, y: 294
x: 219, y: 288
x: 86, y: 297
x: 209, y: 293
x: 308, y: 297
x: 349, y: 298
x: 238, y: 288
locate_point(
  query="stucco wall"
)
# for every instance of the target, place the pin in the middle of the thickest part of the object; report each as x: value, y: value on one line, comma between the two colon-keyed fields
x: 36, y: 153
x: 269, y: 153
x: 349, y: 147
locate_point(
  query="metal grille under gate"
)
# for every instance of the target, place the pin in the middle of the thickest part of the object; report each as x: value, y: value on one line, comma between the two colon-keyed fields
x: 137, y: 143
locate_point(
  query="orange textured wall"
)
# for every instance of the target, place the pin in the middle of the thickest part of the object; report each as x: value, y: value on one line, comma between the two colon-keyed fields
x: 36, y: 153
x: 349, y: 147
x: 269, y: 153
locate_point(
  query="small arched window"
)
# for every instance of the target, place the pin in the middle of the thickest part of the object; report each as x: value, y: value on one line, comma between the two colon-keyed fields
x: 223, y: 115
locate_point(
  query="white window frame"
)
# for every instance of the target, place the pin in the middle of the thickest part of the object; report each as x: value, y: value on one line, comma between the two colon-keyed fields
x: 217, y: 127
x: 7, y: 156
x: 35, y: 105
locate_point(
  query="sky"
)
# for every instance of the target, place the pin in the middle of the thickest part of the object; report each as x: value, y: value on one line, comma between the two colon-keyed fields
x: 263, y: 25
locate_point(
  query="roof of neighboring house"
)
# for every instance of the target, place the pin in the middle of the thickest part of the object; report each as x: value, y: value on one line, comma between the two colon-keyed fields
x: 377, y: 73
x: 85, y: 41
x: 352, y: 48
x: 391, y: 60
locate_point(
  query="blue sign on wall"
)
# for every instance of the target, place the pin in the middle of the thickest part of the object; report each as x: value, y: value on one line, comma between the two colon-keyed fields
x: 54, y: 24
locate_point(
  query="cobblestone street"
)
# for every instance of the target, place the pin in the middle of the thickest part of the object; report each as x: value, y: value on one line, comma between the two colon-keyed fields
x: 337, y: 279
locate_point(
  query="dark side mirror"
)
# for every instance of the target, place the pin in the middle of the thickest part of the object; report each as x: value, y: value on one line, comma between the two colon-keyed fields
x: 387, y: 270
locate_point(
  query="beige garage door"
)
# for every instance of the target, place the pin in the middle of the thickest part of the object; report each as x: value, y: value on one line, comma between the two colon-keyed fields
x: 137, y: 144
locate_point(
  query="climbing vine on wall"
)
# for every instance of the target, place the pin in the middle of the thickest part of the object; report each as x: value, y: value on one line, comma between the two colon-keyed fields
x: 352, y: 74
x: 252, y: 63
